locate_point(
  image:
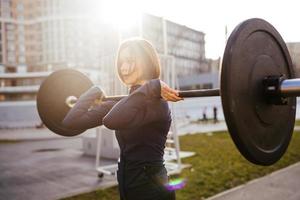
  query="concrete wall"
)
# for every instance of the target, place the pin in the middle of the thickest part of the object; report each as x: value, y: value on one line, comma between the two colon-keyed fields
x: 294, y: 49
x: 19, y: 114
x: 109, y: 145
x: 24, y: 114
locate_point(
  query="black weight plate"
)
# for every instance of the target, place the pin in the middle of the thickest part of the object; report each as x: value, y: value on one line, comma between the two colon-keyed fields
x: 260, y: 131
x: 52, y: 95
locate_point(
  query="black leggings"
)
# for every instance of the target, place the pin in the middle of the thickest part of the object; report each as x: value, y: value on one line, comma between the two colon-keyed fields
x: 147, y: 182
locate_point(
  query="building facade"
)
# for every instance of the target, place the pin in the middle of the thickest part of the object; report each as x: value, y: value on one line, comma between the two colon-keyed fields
x: 186, y: 45
x: 294, y: 49
x: 47, y: 35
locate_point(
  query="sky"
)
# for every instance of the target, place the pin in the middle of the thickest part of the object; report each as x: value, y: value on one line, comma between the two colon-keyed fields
x: 212, y: 16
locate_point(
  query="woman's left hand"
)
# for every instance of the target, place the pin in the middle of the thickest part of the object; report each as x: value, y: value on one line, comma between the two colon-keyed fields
x: 168, y: 93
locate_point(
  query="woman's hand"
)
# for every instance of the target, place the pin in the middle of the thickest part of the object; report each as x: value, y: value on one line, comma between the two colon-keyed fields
x: 98, y: 101
x: 168, y: 93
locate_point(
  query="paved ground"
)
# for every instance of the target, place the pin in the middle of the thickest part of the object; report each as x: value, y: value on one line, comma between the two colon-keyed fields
x: 36, y: 164
x: 192, y: 128
x: 47, y: 169
x: 46, y: 166
x: 43, y: 133
x: 30, y: 134
x: 280, y: 185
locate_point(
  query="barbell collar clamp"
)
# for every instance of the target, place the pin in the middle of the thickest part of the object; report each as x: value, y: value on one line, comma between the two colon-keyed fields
x: 71, y: 101
x: 277, y: 89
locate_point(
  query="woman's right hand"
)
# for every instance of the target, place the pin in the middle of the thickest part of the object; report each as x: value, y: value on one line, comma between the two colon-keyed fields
x: 168, y: 93
x: 98, y: 101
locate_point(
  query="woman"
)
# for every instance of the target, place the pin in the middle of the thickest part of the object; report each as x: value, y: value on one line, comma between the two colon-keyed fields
x: 141, y: 120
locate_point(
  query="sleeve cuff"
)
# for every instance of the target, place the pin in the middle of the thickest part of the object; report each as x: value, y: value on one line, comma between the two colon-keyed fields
x: 94, y: 92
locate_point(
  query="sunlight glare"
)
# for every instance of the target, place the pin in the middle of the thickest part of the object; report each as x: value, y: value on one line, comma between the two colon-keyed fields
x: 121, y: 14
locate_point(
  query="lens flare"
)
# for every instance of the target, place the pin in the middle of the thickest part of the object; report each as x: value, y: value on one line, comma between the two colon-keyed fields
x: 176, y: 184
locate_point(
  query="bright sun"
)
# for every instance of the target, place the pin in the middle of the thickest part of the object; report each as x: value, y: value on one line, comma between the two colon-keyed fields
x: 120, y: 14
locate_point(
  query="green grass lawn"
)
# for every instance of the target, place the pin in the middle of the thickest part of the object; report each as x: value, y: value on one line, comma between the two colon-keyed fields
x: 297, y: 122
x: 8, y: 141
x: 216, y: 167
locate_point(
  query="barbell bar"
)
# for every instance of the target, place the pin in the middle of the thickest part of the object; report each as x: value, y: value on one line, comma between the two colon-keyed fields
x: 257, y: 89
x: 285, y: 88
x: 289, y: 88
x: 71, y: 100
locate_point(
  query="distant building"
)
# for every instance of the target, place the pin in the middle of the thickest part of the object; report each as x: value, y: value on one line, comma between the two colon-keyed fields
x: 12, y: 46
x: 294, y: 49
x: 206, y: 80
x: 58, y: 33
x: 46, y: 35
x: 199, y: 81
x: 185, y: 44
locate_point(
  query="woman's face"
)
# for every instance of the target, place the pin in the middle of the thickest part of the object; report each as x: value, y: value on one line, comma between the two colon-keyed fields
x: 130, y: 69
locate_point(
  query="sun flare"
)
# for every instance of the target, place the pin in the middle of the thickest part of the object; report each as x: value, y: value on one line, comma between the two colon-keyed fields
x: 120, y: 14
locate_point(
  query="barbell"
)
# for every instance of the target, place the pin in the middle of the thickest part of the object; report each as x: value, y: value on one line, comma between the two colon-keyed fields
x: 257, y: 88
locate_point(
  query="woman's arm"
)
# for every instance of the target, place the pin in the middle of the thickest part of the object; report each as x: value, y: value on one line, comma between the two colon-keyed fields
x: 132, y: 111
x: 83, y: 115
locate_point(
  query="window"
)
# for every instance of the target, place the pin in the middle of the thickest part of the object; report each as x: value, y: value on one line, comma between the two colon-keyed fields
x: 11, y: 58
x: 21, y: 39
x: 21, y: 28
x: 22, y: 48
x: 20, y: 7
x: 22, y: 59
x: 10, y: 46
x: 21, y: 17
x: 9, y: 27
